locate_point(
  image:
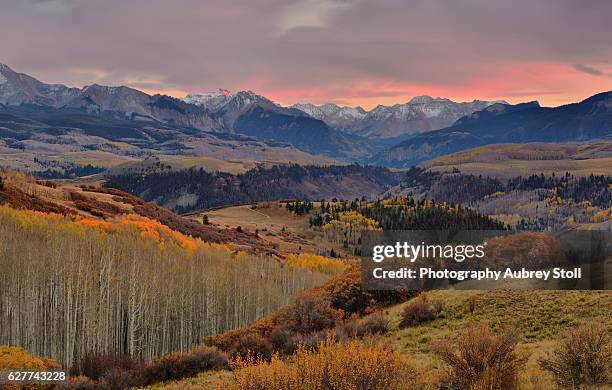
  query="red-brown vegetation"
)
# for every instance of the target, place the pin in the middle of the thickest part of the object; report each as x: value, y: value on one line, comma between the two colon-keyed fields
x: 582, y: 359
x: 19, y: 199
x: 95, y: 207
x: 481, y: 360
x: 319, y: 309
x: 417, y: 312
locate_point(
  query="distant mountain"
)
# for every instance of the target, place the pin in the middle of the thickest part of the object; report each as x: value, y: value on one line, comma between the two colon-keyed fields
x: 503, y: 123
x: 420, y: 114
x: 210, y: 101
x: 257, y: 116
x: 220, y: 112
x: 342, y: 118
x: 18, y: 88
x: 122, y: 102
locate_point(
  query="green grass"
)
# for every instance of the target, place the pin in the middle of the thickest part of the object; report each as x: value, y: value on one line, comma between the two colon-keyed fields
x: 541, y: 316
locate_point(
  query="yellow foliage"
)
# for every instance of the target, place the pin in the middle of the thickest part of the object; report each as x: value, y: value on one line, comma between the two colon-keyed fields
x: 603, y: 215
x: 317, y: 263
x: 349, y: 226
x: 356, y: 364
x: 13, y: 357
x: 145, y: 228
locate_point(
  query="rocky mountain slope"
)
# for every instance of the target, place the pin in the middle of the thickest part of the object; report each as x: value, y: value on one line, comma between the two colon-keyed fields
x: 501, y: 123
x: 242, y: 113
x: 420, y: 114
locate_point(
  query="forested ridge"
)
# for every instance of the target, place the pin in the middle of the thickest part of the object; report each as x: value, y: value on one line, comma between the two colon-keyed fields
x: 464, y: 189
x: 258, y: 184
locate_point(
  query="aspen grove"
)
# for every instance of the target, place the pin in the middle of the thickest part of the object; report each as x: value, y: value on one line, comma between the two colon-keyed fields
x: 127, y: 286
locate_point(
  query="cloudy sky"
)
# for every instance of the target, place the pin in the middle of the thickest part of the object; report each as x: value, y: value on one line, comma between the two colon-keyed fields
x: 342, y: 51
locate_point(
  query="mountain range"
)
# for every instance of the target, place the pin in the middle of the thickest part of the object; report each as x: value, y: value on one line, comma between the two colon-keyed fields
x: 501, y: 123
x: 235, y: 125
x: 420, y: 114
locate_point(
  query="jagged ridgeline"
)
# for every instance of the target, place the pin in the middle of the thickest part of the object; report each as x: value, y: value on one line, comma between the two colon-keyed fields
x: 129, y: 284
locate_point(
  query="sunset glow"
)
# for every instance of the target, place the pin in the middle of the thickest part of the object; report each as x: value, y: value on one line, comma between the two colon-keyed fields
x: 345, y: 52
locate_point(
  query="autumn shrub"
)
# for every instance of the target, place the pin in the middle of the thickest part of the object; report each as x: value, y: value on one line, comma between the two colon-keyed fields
x: 95, y: 207
x: 255, y: 374
x: 179, y: 365
x: 18, y: 358
x: 312, y: 313
x: 354, y: 365
x: 280, y: 338
x: 417, y: 312
x: 481, y: 360
x: 314, y: 339
x: 472, y: 303
x: 14, y: 357
x: 582, y: 358
x: 118, y: 379
x: 95, y: 366
x: 373, y: 324
x: 82, y: 383
x: 346, y: 293
x: 252, y: 344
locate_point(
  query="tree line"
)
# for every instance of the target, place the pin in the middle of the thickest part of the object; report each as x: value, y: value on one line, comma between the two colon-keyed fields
x: 465, y: 189
x: 258, y: 184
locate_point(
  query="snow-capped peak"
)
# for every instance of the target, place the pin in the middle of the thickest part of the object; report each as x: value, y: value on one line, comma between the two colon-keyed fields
x: 209, y: 100
x: 329, y: 110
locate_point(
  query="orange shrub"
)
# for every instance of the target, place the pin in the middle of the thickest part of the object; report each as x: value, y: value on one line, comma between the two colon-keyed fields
x: 13, y: 357
x: 331, y: 366
x: 252, y: 344
x: 313, y: 313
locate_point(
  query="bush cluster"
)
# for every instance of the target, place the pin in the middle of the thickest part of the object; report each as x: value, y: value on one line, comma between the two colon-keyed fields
x: 332, y: 365
x: 582, y: 359
x: 317, y: 311
x: 482, y: 360
x: 120, y: 372
x: 417, y: 312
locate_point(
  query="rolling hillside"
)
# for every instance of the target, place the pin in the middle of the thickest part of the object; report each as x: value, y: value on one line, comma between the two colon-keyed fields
x: 507, y: 160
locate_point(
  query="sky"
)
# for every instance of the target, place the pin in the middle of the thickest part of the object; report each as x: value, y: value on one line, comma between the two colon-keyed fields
x: 320, y: 51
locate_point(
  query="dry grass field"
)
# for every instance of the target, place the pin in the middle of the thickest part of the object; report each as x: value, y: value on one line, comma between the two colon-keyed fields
x: 273, y: 223
x: 509, y: 160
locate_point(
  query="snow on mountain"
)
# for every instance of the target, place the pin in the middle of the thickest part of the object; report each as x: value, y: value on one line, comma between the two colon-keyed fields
x: 421, y: 113
x: 343, y: 118
x: 211, y: 101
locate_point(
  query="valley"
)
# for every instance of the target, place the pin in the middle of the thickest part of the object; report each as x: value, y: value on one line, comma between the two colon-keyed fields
x: 215, y: 241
